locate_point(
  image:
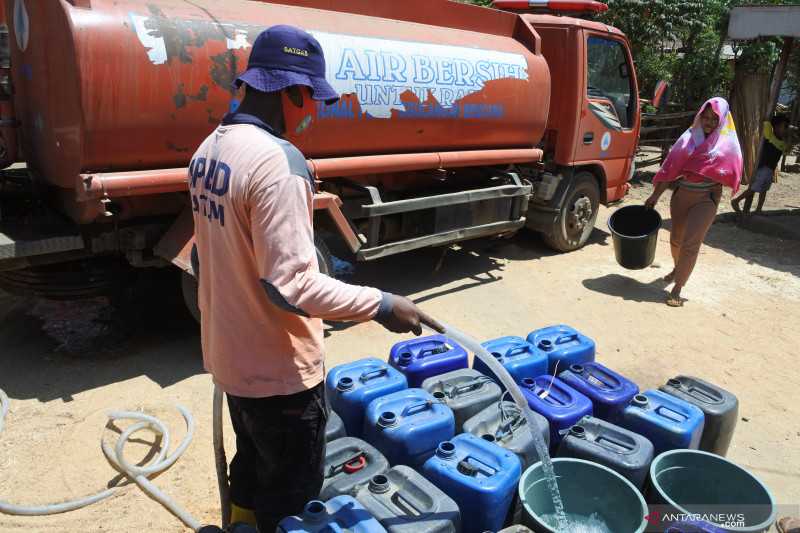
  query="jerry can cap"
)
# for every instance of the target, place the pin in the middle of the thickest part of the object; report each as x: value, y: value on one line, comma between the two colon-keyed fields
x: 379, y: 484
x: 578, y: 431
x: 344, y: 384
x: 640, y: 400
x: 387, y: 419
x: 446, y: 449
x: 315, y: 510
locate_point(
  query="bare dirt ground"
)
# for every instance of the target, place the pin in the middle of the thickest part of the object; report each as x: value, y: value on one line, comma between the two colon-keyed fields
x: 65, y: 365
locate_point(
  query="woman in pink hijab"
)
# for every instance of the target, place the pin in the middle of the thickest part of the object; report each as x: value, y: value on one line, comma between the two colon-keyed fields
x: 705, y: 158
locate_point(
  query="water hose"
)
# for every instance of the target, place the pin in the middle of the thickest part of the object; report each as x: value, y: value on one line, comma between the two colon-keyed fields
x: 220, y: 460
x: 502, y: 374
x: 116, y: 456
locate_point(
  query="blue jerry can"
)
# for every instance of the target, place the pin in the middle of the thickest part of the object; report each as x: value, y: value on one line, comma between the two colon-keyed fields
x: 352, y: 386
x: 668, y: 422
x: 610, y: 392
x: 559, y: 403
x: 342, y: 513
x: 519, y: 357
x: 480, y: 476
x: 406, y: 426
x: 424, y: 357
x: 564, y: 346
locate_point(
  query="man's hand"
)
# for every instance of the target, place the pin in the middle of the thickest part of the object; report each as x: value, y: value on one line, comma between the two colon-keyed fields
x: 651, y: 202
x: 406, y: 316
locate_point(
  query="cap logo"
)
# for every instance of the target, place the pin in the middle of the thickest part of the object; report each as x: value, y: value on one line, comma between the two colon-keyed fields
x: 295, y: 51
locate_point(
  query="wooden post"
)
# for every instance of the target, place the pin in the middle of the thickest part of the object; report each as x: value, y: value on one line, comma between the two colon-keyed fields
x: 774, y: 93
x: 779, y: 75
x: 794, y: 118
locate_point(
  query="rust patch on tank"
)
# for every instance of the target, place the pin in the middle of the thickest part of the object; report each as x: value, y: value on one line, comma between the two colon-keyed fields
x: 181, y: 37
x: 225, y: 69
x: 175, y: 148
x: 181, y: 98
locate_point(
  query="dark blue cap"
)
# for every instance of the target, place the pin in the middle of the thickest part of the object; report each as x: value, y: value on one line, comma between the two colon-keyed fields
x: 283, y: 56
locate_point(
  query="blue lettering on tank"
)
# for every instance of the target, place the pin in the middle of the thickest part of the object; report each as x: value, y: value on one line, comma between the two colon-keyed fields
x: 424, y: 73
x: 350, y: 68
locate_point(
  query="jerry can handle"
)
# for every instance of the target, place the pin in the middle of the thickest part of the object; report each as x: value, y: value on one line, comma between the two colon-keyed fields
x: 470, y: 466
x: 615, y: 445
x: 405, y: 505
x: 372, y: 374
x: 516, y: 350
x: 473, y: 385
x: 671, y: 414
x: 415, y: 408
x: 702, y: 396
x: 352, y: 464
x: 442, y: 348
x: 567, y: 338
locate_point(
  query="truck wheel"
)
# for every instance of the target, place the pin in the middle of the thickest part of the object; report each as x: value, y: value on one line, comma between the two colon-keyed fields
x: 324, y: 257
x: 578, y: 214
x: 189, y: 282
x: 189, y: 287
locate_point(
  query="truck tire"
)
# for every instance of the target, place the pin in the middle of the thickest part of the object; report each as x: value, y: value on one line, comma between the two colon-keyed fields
x: 189, y: 288
x: 189, y: 282
x: 575, y: 222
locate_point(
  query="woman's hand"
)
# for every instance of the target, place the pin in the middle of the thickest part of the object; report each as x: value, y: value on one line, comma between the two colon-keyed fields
x: 651, y: 202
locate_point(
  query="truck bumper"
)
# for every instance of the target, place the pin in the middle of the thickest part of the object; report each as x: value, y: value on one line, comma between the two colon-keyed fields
x: 23, y: 246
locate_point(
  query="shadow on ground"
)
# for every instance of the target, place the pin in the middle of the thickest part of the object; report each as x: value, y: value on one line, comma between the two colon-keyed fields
x: 456, y: 268
x: 474, y: 262
x: 54, y: 350
x: 755, y: 247
x: 628, y: 288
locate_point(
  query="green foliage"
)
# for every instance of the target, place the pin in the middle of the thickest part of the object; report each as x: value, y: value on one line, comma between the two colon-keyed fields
x: 676, y: 40
x: 681, y: 41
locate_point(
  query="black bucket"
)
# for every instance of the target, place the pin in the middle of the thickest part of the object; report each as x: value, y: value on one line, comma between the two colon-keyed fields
x: 634, y: 229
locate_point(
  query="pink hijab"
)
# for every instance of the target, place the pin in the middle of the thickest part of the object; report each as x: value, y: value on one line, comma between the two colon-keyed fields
x: 717, y: 157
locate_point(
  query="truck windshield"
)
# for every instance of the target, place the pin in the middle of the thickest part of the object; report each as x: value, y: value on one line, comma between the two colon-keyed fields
x: 609, y: 81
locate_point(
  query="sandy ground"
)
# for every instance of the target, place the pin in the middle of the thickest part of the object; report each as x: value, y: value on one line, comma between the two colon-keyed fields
x: 65, y: 365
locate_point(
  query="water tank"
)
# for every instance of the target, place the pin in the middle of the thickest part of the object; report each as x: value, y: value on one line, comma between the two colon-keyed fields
x: 116, y: 85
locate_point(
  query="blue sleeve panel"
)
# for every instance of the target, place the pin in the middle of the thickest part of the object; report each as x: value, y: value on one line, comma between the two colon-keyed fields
x: 277, y: 298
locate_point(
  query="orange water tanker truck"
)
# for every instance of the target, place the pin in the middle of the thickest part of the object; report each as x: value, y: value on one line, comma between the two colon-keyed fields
x: 455, y: 122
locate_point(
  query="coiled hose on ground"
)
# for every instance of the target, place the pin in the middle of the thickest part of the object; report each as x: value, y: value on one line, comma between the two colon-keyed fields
x: 116, y: 457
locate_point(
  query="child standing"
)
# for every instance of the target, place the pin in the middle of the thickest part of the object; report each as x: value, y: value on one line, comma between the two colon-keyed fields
x: 774, y: 147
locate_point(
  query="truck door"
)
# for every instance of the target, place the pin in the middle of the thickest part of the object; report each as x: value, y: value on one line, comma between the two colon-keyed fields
x: 610, y: 115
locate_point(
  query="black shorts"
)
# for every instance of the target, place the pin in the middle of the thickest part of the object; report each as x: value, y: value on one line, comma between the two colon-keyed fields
x: 280, y: 453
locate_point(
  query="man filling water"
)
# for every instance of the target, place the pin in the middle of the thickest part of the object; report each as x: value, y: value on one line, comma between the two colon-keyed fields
x: 261, y: 294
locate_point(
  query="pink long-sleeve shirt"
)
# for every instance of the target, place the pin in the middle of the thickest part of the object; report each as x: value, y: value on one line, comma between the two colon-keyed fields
x: 261, y: 295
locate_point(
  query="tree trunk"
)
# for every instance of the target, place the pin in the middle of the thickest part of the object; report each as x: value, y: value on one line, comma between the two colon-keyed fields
x: 749, y: 97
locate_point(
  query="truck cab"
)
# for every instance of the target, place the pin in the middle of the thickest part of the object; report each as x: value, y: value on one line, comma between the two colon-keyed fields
x: 589, y: 147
